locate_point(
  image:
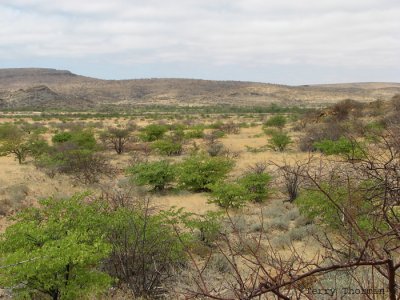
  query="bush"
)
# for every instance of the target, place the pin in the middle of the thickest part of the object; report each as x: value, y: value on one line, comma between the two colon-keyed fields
x: 196, y: 133
x: 82, y: 139
x: 62, y: 137
x: 279, y: 141
x: 167, y: 147
x: 329, y: 131
x: 85, y: 166
x: 199, y: 171
x: 56, y: 250
x: 279, y: 223
x: 215, y: 149
x: 220, y: 263
x: 270, y: 131
x: 343, y: 146
x: 153, y: 132
x: 228, y: 195
x: 316, y: 206
x: 74, y: 153
x: 298, y: 234
x: 145, y: 251
x: 275, y: 209
x: 293, y: 214
x: 213, y: 136
x: 157, y: 174
x: 256, y: 186
x: 207, y: 225
x: 281, y: 241
x: 38, y: 147
x: 278, y: 121
x: 343, y: 109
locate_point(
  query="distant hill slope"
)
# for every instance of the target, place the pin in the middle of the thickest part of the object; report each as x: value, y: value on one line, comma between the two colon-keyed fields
x: 50, y: 88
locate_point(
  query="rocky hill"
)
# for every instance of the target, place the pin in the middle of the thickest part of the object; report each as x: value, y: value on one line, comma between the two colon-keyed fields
x: 50, y: 88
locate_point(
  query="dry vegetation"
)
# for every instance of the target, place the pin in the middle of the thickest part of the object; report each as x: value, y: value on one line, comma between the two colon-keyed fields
x: 293, y: 205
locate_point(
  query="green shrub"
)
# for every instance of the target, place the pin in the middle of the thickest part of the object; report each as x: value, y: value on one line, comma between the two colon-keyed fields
x: 198, y: 171
x: 157, y: 174
x: 196, y: 133
x: 256, y: 186
x: 343, y: 146
x: 218, y: 134
x: 279, y: 141
x: 208, y: 226
x: 153, y: 132
x: 34, y: 248
x: 82, y: 139
x: 62, y: 137
x: 276, y: 121
x: 316, y: 206
x: 38, y: 147
x: 228, y: 195
x: 270, y: 131
x: 167, y: 147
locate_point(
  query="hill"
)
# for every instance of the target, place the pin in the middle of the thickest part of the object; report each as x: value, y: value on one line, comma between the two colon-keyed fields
x: 50, y: 88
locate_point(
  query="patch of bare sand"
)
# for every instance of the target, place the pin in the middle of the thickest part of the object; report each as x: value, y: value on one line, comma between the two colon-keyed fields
x: 195, y: 203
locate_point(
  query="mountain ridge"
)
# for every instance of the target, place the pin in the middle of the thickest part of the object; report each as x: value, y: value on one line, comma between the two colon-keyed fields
x: 51, y: 88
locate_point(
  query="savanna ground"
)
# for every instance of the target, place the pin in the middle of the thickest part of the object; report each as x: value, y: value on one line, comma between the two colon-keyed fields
x: 256, y: 241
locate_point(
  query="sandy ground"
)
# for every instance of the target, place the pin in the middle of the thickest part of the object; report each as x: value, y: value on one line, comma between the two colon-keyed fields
x: 34, y: 185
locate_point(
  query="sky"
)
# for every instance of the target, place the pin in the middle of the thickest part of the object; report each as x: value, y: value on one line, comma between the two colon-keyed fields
x: 286, y: 41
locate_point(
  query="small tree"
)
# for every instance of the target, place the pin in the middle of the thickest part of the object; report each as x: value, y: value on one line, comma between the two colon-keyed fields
x: 292, y: 176
x: 14, y: 141
x: 118, y: 138
x: 55, y: 250
x: 198, y: 171
x: 279, y: 141
x: 157, y: 174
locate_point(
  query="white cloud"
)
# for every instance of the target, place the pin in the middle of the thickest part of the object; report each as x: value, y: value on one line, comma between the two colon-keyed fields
x: 362, y: 33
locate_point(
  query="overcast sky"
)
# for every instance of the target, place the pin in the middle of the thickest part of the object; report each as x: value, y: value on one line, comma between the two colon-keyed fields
x: 278, y: 41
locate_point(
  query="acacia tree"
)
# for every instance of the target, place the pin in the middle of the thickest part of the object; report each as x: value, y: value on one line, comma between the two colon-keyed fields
x: 14, y: 141
x: 118, y: 138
